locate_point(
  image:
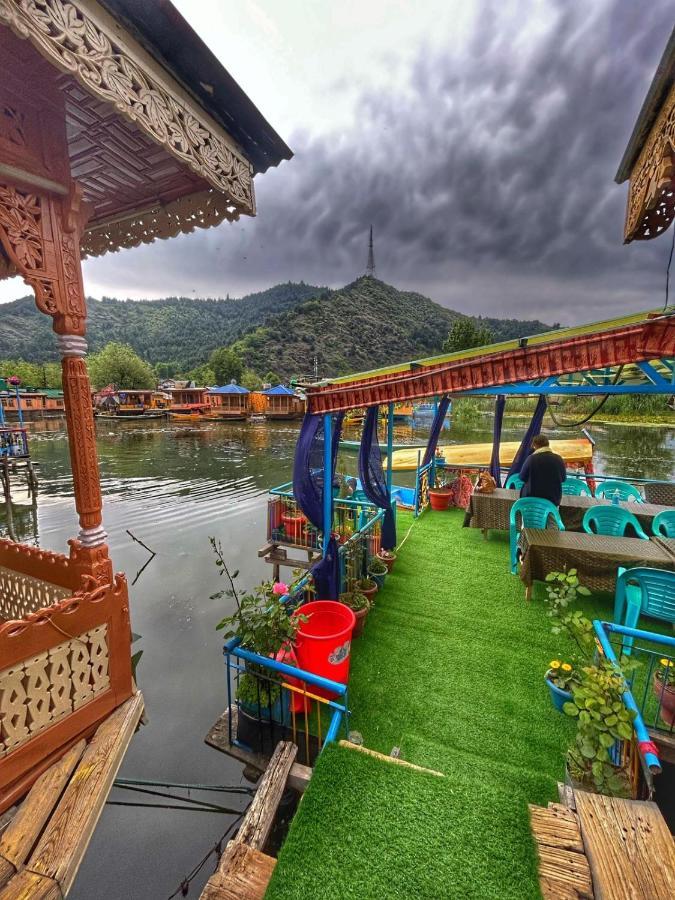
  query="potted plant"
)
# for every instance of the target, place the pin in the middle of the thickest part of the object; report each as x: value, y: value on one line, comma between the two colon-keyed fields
x: 294, y: 522
x: 388, y: 557
x: 368, y: 587
x: 663, y: 685
x: 559, y: 677
x: 360, y: 605
x: 439, y: 495
x: 377, y: 570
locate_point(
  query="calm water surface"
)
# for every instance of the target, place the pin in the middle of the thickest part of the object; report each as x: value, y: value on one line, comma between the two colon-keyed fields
x: 173, y: 486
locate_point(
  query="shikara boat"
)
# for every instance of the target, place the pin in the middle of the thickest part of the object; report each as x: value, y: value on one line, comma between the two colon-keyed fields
x: 576, y: 450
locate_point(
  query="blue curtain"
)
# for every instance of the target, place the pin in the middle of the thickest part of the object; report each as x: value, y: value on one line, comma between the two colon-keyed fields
x: 434, y: 433
x: 372, y: 478
x: 526, y: 444
x: 309, y: 483
x: 495, y: 471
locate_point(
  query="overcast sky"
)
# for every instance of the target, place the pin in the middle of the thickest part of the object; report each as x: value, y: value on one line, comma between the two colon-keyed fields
x: 480, y: 138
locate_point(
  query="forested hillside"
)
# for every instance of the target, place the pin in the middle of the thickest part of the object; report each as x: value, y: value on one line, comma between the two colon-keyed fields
x: 366, y: 324
x: 179, y: 331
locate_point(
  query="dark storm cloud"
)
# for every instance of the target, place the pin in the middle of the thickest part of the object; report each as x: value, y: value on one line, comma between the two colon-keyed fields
x: 488, y: 177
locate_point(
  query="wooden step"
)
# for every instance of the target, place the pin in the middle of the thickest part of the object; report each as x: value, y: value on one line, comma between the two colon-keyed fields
x: 564, y: 873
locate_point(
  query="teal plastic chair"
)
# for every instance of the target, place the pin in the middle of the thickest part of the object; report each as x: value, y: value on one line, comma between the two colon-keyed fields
x: 642, y: 590
x: 514, y: 482
x: 626, y: 491
x: 663, y: 524
x: 576, y: 487
x: 612, y: 521
x: 534, y: 513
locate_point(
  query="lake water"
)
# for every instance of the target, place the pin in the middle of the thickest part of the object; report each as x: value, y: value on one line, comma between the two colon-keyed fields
x: 173, y: 486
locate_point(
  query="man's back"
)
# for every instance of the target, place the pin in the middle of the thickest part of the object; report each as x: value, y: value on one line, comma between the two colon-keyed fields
x: 543, y: 474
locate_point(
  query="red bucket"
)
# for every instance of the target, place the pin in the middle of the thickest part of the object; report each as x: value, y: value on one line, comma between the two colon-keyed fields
x: 323, y: 642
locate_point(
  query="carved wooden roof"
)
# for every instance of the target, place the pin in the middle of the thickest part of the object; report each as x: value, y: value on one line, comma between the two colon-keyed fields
x: 649, y: 158
x: 153, y: 161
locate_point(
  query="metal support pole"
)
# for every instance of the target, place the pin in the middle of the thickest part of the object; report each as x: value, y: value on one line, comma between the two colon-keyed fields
x: 327, y: 480
x: 390, y: 447
x: 18, y: 405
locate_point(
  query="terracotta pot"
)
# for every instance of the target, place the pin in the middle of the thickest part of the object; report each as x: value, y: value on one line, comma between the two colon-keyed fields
x: 294, y: 526
x: 439, y: 498
x: 666, y: 697
x: 360, y: 621
x: 369, y: 592
x: 389, y: 562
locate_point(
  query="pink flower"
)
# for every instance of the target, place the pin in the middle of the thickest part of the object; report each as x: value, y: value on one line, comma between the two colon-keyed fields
x: 280, y: 588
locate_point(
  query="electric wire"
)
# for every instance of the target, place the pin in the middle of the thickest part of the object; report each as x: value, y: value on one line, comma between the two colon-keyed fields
x: 590, y: 415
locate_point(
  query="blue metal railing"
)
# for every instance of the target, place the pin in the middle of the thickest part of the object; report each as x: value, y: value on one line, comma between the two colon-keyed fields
x: 354, y: 555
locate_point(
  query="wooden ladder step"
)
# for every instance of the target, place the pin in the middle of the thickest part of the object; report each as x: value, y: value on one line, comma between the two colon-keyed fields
x: 564, y: 872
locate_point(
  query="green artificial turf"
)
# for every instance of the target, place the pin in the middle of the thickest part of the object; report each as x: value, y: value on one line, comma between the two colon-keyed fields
x: 450, y: 669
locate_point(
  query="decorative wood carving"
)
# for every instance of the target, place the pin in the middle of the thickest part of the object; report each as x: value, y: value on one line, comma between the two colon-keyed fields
x: 651, y: 197
x: 98, y: 58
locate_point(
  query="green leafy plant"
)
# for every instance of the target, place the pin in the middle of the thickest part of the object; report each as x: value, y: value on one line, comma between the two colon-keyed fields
x: 562, y: 674
x: 366, y: 584
x: 252, y: 691
x: 377, y: 567
x: 355, y: 601
x: 563, y: 590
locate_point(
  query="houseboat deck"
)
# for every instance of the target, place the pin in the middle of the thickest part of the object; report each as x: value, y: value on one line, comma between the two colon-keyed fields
x: 450, y: 670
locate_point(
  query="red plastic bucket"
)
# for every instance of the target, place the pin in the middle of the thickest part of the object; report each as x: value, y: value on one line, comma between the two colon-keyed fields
x: 323, y: 642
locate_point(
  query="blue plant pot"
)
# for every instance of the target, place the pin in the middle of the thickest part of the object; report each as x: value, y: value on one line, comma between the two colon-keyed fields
x: 558, y: 697
x: 378, y: 579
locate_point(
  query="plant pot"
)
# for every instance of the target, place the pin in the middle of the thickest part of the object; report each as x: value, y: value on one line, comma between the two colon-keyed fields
x: 258, y: 734
x: 370, y: 592
x: 294, y: 526
x: 378, y: 578
x: 388, y: 561
x: 666, y: 697
x: 361, y: 615
x: 558, y: 696
x: 439, y: 498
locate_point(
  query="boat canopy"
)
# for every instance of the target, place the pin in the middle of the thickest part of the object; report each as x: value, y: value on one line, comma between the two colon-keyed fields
x: 229, y: 389
x: 279, y: 390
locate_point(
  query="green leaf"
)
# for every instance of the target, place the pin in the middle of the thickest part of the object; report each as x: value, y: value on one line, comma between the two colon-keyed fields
x: 611, y: 721
x: 570, y: 709
x: 625, y: 730
x: 583, y: 591
x: 606, y: 740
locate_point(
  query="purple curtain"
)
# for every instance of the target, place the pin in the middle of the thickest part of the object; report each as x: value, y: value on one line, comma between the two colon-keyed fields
x: 372, y: 478
x: 309, y: 482
x: 495, y: 471
x: 526, y: 444
x: 434, y: 433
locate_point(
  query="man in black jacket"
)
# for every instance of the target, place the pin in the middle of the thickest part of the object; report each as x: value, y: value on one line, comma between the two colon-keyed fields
x: 543, y: 472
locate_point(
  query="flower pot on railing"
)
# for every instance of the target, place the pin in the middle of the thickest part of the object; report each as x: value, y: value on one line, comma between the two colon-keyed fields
x: 558, y: 696
x: 368, y: 587
x: 387, y: 557
x: 377, y: 570
x: 294, y: 526
x: 439, y: 498
x: 664, y: 691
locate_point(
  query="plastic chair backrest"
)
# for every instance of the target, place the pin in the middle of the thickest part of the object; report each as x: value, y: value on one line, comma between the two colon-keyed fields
x: 663, y: 524
x: 535, y: 513
x: 612, y: 521
x: 514, y: 482
x: 657, y: 587
x: 626, y: 491
x: 575, y: 487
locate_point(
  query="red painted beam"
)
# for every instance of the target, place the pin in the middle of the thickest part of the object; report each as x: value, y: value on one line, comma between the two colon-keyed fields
x: 633, y: 343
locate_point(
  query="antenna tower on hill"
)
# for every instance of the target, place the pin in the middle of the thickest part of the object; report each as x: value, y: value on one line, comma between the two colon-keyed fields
x: 370, y: 268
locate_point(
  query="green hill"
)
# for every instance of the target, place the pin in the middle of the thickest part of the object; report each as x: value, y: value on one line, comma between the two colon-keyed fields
x: 178, y: 330
x: 362, y: 326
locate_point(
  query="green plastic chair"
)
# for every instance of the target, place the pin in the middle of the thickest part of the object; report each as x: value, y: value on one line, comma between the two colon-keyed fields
x: 514, y: 482
x: 663, y: 524
x: 576, y: 487
x: 534, y: 513
x: 612, y: 521
x: 643, y: 590
x: 626, y: 491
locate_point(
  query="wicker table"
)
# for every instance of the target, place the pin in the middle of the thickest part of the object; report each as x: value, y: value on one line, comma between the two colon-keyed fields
x: 491, y: 511
x: 595, y: 557
x: 660, y: 492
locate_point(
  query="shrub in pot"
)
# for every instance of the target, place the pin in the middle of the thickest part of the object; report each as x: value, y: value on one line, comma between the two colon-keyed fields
x: 360, y: 605
x: 439, y: 495
x: 388, y: 557
x: 663, y: 685
x: 377, y: 570
x: 559, y: 678
x: 368, y: 587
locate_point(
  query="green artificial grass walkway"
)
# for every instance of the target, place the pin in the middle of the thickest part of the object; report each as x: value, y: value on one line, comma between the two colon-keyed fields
x: 450, y: 669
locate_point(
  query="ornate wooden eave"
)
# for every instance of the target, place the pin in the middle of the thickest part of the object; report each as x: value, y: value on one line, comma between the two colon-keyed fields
x: 208, y: 176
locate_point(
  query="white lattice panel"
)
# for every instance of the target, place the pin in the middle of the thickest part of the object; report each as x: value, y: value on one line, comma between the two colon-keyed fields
x: 22, y: 594
x: 49, y: 686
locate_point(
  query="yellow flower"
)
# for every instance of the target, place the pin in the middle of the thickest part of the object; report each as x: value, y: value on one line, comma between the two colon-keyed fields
x: 566, y: 667
x: 667, y: 663
x: 555, y: 664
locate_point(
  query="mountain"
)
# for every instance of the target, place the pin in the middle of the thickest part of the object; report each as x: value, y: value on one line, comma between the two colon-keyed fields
x: 178, y: 330
x: 362, y: 326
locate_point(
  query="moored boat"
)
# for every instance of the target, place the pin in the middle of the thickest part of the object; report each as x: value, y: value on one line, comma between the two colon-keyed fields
x: 575, y: 451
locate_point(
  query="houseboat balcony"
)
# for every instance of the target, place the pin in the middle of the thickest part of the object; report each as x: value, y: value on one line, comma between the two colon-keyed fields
x: 64, y: 646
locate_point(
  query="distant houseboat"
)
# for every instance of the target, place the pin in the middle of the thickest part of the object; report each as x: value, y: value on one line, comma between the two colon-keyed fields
x: 232, y: 401
x: 282, y: 403
x: 188, y: 403
x: 34, y: 404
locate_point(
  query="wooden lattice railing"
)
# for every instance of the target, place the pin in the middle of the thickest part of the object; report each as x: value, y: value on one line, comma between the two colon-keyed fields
x: 65, y: 658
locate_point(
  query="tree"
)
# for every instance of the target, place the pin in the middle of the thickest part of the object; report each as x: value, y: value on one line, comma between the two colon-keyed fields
x: 34, y: 375
x: 465, y: 334
x: 272, y: 379
x: 227, y: 365
x: 251, y: 380
x: 118, y: 364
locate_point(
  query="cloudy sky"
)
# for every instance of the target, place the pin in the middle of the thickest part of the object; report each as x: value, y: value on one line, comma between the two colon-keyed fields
x: 480, y: 138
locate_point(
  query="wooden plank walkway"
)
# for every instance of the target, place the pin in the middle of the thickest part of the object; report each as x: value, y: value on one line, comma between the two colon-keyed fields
x: 41, y: 849
x: 605, y: 848
x: 244, y: 870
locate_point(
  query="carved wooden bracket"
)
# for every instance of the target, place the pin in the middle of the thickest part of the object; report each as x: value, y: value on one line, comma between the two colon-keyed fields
x: 651, y: 198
